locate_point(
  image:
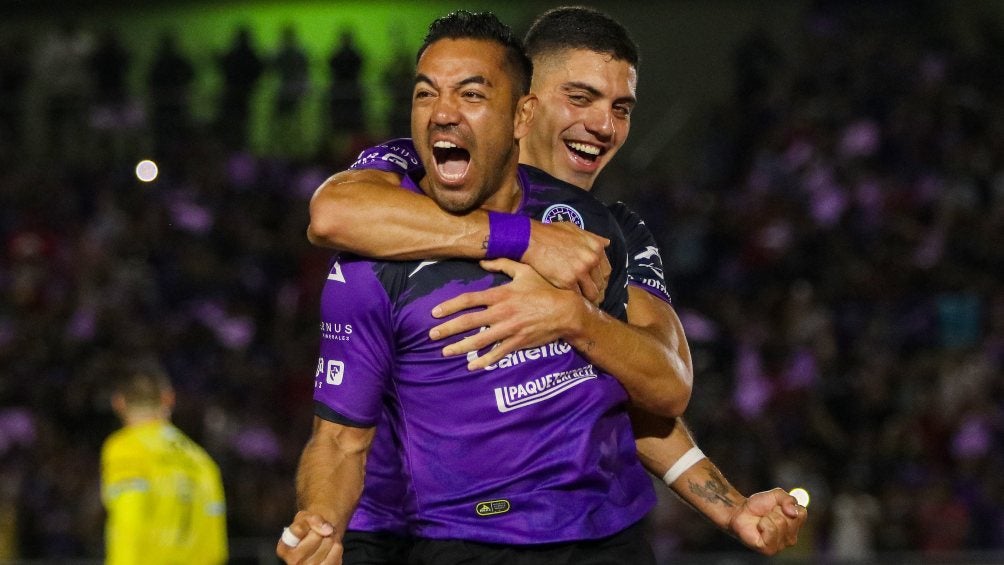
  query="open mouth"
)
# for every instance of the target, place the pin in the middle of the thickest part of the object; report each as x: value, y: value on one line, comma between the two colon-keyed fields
x: 452, y: 161
x: 584, y: 151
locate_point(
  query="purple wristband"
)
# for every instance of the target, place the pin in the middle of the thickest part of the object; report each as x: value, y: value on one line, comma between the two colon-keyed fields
x: 508, y: 236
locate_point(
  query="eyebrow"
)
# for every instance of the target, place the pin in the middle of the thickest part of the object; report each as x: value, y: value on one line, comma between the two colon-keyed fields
x: 595, y: 92
x: 475, y: 79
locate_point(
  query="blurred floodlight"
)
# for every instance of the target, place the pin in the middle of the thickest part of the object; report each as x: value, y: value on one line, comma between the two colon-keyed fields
x: 146, y: 170
x: 801, y: 495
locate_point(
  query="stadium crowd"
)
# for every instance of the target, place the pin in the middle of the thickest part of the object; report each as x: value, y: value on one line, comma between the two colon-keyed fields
x: 835, y: 254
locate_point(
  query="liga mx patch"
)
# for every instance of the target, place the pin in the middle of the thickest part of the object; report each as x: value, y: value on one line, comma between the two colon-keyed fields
x: 563, y: 213
x: 492, y: 507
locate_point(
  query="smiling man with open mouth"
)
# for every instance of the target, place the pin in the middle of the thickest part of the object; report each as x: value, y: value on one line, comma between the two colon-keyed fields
x: 583, y: 118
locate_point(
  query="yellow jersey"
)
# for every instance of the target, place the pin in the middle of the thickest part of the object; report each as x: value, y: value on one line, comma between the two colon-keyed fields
x: 164, y: 498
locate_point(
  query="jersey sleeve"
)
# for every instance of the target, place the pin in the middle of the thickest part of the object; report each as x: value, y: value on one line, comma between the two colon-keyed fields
x: 356, y: 347
x: 645, y: 269
x: 394, y: 156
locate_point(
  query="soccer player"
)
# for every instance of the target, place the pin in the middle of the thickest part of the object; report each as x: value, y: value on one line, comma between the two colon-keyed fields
x: 585, y: 69
x: 530, y: 460
x: 162, y: 492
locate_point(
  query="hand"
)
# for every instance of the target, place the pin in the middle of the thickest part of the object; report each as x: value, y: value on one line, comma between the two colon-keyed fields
x: 768, y: 521
x: 317, y: 541
x: 526, y: 312
x: 569, y: 258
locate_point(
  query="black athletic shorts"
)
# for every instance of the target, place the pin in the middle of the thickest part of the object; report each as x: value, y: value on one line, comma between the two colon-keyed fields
x: 628, y: 547
x: 375, y: 548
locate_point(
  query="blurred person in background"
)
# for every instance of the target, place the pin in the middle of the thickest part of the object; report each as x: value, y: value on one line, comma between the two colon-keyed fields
x: 163, y: 492
x: 240, y: 68
x: 292, y: 68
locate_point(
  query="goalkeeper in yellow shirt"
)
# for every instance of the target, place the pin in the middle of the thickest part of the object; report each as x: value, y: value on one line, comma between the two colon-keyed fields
x: 162, y: 492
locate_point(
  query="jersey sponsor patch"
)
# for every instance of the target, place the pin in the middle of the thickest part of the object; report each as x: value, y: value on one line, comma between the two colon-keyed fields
x: 562, y: 213
x: 509, y: 398
x: 552, y: 349
x: 492, y: 507
x: 332, y: 369
x: 657, y: 284
x: 334, y: 331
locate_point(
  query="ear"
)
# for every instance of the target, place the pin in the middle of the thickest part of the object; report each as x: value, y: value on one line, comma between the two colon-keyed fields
x: 119, y: 405
x: 525, y: 109
x: 167, y: 399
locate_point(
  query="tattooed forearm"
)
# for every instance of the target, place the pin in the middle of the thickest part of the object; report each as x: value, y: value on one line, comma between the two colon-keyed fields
x: 714, y: 489
x: 588, y: 346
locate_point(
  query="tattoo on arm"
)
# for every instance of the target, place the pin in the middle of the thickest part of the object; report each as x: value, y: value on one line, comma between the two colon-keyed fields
x: 713, y: 490
x: 588, y: 346
x: 484, y: 243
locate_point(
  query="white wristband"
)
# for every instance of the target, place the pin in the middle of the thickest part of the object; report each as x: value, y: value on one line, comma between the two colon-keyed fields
x: 693, y: 455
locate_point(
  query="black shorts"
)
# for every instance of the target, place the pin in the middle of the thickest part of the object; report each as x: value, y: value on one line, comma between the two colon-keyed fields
x: 375, y: 548
x: 629, y: 547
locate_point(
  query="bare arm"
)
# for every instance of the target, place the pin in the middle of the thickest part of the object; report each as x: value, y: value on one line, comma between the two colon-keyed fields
x: 329, y: 482
x: 366, y: 212
x: 647, y: 357
x: 766, y: 522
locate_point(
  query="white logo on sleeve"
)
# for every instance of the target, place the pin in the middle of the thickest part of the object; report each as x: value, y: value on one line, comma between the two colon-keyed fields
x: 399, y: 161
x: 335, y: 372
x: 650, y: 251
x: 336, y: 273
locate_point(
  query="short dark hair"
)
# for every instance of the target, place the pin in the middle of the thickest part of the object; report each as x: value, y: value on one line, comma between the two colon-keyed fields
x: 579, y: 27
x: 484, y: 26
x: 141, y: 383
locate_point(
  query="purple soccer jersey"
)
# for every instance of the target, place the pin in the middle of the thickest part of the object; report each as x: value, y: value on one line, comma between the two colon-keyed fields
x: 386, y: 492
x: 534, y: 449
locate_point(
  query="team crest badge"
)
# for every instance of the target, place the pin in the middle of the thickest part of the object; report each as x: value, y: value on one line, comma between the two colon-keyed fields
x: 563, y: 213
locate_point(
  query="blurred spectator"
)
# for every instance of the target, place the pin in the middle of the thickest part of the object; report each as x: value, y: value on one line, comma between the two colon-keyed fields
x: 110, y: 64
x: 856, y: 519
x: 346, y: 95
x: 169, y: 83
x: 113, y: 114
x: 293, y: 69
x: 398, y: 82
x: 14, y: 74
x: 65, y: 83
x: 241, y: 67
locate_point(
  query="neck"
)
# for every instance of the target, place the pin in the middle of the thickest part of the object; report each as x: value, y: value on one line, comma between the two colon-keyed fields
x: 137, y: 417
x: 507, y: 198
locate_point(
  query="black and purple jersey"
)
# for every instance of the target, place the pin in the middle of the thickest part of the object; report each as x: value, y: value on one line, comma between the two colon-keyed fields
x: 536, y: 448
x: 644, y: 262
